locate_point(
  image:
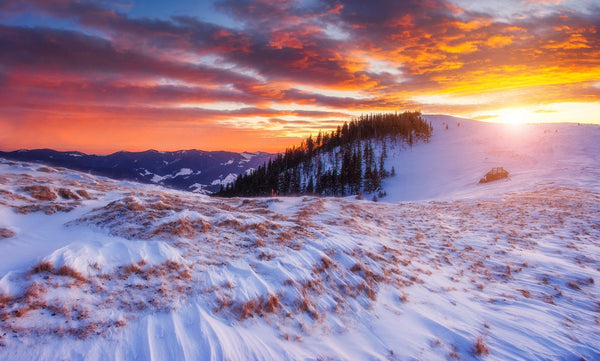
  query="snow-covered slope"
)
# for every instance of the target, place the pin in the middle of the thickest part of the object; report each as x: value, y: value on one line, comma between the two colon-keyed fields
x: 96, y: 269
x: 450, y: 166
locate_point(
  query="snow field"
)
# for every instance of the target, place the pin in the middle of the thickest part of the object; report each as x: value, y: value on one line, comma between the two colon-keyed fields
x: 503, y: 271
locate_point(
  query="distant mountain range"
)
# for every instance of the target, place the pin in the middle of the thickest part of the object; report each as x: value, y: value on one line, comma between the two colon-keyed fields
x: 190, y: 170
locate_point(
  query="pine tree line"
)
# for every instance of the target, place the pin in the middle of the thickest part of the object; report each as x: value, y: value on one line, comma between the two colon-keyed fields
x: 300, y: 170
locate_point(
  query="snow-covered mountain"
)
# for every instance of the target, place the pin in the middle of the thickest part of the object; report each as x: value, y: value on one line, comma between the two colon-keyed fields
x: 98, y: 269
x: 452, y: 163
x: 190, y: 170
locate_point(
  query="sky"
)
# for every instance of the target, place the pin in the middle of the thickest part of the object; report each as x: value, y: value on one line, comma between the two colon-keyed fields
x: 100, y: 76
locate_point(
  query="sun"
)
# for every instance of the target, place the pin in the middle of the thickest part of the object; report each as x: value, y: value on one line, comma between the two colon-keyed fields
x: 514, y: 116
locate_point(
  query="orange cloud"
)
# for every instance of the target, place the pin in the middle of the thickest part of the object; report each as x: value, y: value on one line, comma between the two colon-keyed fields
x: 499, y: 41
x: 286, y: 69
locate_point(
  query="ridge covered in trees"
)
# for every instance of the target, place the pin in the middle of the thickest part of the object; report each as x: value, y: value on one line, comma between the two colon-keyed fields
x: 353, y: 166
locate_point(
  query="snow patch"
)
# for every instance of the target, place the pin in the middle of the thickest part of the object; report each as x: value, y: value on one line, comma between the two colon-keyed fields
x: 183, y: 172
x: 230, y: 178
x: 157, y: 179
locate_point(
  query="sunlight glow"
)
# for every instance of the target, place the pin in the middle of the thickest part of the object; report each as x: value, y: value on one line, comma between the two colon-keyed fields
x: 514, y: 116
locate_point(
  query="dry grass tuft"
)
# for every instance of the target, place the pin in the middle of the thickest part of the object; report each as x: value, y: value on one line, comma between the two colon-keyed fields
x: 272, y: 304
x: 6, y: 233
x: 70, y: 272
x: 264, y: 256
x: 83, y: 193
x: 356, y: 268
x: 66, y: 193
x: 181, y: 228
x: 326, y: 262
x: 132, y: 268
x: 525, y: 293
x: 134, y: 206
x: 480, y: 348
x: 66, y: 271
x: 41, y: 193
x: 42, y: 267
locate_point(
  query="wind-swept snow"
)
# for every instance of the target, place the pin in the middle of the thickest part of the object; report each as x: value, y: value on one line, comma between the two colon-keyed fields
x: 103, y: 270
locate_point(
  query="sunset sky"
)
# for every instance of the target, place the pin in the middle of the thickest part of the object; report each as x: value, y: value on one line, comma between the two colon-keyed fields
x: 101, y: 76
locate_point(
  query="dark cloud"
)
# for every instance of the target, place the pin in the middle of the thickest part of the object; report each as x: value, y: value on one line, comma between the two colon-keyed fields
x: 52, y: 50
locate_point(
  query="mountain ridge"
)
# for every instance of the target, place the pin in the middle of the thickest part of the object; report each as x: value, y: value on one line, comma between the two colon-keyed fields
x: 190, y: 170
